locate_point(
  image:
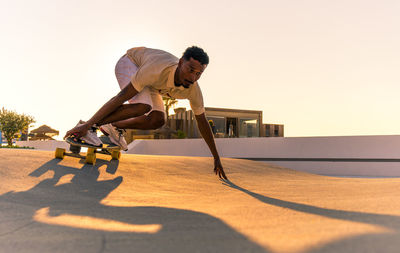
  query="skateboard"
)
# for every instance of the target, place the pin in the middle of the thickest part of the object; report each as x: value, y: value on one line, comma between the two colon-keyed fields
x: 106, y: 148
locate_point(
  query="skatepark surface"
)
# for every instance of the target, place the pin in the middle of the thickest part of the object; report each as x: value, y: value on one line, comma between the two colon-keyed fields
x: 176, y: 204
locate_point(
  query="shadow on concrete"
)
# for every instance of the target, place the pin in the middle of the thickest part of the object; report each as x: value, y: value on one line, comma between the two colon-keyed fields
x: 379, y: 242
x: 181, y: 230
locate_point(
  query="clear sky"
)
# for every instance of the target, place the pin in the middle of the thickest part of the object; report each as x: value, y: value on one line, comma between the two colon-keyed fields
x: 320, y: 67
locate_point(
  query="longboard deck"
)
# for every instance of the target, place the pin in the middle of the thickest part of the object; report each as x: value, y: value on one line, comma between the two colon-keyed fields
x: 107, y: 144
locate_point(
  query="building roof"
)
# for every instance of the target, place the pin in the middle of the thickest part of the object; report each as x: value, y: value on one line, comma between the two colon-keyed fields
x: 44, y: 129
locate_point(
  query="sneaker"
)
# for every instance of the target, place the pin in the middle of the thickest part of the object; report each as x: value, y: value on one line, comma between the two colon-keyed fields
x: 115, y: 135
x: 91, y: 136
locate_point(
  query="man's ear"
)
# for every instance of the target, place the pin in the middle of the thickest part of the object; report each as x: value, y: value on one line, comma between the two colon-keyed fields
x: 180, y: 62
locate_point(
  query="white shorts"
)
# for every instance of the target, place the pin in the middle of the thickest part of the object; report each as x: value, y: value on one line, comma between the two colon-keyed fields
x: 124, y: 70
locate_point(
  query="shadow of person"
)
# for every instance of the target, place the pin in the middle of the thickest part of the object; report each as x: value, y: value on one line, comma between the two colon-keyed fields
x: 372, y: 242
x: 70, y: 217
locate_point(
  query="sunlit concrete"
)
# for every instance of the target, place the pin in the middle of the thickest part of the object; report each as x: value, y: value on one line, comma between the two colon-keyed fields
x: 87, y: 222
x: 176, y: 204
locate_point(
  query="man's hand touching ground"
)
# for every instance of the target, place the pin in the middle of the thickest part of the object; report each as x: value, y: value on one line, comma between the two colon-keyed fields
x: 78, y: 131
x: 218, y: 169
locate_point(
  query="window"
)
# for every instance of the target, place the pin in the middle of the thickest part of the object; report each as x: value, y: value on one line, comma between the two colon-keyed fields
x: 267, y: 130
x: 276, y: 131
x: 231, y: 127
x: 249, y: 128
x: 219, y: 125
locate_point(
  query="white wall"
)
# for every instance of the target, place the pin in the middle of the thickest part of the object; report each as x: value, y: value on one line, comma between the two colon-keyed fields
x: 43, y: 145
x: 277, y: 147
x: 348, y: 147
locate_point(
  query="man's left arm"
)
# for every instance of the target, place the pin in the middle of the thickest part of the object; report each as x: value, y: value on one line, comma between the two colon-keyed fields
x: 205, y: 131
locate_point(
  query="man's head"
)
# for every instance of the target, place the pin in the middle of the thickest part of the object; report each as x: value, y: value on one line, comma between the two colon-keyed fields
x: 191, y: 65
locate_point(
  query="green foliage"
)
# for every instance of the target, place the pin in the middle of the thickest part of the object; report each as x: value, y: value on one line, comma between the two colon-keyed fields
x: 11, y: 123
x: 168, y: 103
x: 16, y: 146
x: 181, y: 134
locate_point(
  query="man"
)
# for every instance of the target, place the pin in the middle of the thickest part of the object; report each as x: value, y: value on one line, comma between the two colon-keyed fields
x: 145, y: 75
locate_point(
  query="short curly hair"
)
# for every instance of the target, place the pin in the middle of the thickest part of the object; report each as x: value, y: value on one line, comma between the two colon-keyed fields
x: 196, y: 53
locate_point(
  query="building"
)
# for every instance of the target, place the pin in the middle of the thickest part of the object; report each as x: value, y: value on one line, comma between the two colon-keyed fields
x: 273, y: 130
x: 225, y: 123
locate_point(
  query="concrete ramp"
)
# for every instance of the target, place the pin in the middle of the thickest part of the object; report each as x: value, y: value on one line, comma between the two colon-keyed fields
x: 176, y: 204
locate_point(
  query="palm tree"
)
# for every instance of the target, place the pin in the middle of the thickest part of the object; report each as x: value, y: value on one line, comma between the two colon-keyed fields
x: 165, y: 131
x: 168, y: 103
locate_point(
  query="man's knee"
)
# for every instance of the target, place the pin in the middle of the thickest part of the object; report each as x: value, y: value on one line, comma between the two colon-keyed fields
x: 157, y: 119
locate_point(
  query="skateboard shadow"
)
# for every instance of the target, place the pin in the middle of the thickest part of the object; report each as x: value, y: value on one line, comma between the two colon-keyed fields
x: 179, y: 230
x: 373, y: 242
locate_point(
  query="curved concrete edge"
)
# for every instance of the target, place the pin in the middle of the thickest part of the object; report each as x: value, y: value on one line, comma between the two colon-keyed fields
x: 346, y: 147
x: 349, y: 156
x: 365, y: 156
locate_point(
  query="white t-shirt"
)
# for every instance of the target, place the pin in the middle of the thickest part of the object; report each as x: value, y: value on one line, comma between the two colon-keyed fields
x: 156, y: 69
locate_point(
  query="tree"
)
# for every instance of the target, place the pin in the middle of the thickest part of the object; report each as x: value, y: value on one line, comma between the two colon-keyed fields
x: 165, y: 132
x: 11, y: 123
x: 168, y: 103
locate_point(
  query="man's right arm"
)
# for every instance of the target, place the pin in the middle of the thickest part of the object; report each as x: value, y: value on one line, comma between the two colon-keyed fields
x: 126, y: 93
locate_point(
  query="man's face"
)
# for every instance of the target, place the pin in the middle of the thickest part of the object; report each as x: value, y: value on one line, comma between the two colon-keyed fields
x: 189, y: 71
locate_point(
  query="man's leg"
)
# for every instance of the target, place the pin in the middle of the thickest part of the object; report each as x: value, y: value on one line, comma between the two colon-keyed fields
x: 153, y: 120
x: 135, y: 115
x: 126, y: 111
x: 138, y: 105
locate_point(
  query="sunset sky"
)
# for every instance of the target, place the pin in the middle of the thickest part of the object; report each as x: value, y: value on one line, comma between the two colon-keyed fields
x: 321, y: 68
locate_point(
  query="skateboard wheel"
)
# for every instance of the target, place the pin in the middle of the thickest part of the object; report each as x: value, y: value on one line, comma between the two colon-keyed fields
x: 75, y: 149
x: 60, y: 153
x: 116, y: 154
x: 90, y: 151
x: 90, y: 158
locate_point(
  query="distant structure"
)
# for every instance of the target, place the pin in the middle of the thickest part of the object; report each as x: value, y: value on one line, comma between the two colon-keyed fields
x: 43, y: 133
x: 225, y: 123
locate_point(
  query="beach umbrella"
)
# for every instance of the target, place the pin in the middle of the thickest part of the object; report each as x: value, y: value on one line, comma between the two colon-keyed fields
x: 45, y: 130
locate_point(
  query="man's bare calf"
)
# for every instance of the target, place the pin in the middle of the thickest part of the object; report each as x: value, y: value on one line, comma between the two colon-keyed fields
x: 154, y: 120
x: 131, y: 116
